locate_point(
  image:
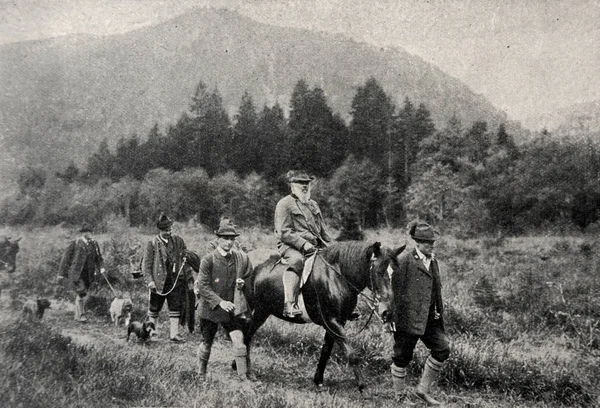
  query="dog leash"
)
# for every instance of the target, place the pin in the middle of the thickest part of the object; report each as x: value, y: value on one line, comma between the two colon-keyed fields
x: 109, y: 285
x: 176, y: 278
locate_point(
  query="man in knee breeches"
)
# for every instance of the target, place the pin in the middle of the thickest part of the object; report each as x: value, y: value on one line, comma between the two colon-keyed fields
x: 80, y: 262
x: 418, y: 313
x: 221, y: 287
x: 162, y: 268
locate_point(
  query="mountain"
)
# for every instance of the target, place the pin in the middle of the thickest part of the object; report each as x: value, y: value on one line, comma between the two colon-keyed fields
x: 60, y: 97
x: 582, y: 118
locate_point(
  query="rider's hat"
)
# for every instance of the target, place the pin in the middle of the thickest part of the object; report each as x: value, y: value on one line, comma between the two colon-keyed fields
x: 298, y: 176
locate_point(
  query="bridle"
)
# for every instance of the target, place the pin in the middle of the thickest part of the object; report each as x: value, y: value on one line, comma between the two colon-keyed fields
x: 371, y: 301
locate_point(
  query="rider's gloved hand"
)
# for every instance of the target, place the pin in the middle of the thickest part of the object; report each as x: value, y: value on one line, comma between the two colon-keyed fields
x: 308, y: 248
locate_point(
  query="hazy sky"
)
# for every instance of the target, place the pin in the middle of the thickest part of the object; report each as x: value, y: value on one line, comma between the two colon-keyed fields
x: 527, y: 57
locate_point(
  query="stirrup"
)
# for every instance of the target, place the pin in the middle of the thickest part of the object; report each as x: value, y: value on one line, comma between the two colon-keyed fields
x: 291, y: 310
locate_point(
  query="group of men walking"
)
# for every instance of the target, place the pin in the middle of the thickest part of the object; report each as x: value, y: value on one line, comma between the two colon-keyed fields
x: 417, y: 312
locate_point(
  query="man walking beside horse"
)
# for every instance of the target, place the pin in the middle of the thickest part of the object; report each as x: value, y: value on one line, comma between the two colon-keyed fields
x: 418, y: 313
x: 301, y: 231
x: 220, y: 286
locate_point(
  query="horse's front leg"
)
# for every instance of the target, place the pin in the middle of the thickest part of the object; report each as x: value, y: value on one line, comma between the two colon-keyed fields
x: 339, y: 333
x: 328, y: 343
x: 258, y: 318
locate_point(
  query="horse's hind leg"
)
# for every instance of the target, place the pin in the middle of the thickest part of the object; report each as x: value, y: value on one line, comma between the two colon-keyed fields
x: 328, y: 343
x: 353, y: 362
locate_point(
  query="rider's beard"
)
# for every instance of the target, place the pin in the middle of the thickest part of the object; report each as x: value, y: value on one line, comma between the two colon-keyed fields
x: 299, y: 191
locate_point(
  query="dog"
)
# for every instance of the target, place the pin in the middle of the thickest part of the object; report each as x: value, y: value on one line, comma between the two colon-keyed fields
x: 143, y: 331
x: 35, y: 308
x: 121, y: 308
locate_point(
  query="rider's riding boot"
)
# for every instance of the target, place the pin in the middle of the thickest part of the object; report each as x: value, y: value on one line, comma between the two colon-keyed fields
x: 290, y: 283
x: 430, y: 374
x: 399, y: 384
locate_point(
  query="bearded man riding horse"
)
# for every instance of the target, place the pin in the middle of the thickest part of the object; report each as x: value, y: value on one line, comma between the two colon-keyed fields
x: 336, y: 273
x: 301, y: 231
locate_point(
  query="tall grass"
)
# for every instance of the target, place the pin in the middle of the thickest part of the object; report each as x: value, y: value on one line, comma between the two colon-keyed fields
x: 522, y: 313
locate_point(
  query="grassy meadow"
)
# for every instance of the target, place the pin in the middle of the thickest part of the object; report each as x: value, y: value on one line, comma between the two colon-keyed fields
x: 522, y: 313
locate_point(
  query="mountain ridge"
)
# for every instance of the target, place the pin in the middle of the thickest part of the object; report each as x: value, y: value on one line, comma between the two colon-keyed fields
x: 62, y: 96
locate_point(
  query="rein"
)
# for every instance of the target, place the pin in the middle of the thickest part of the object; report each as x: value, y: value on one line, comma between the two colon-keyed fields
x: 371, y: 302
x: 333, y: 331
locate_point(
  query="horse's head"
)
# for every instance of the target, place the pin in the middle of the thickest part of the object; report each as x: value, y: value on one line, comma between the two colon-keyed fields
x: 383, y: 262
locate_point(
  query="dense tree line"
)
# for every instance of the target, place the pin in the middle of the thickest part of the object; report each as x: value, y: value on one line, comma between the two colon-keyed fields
x: 387, y: 164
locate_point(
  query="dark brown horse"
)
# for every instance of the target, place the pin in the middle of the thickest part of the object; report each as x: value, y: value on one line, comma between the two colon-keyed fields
x: 330, y: 294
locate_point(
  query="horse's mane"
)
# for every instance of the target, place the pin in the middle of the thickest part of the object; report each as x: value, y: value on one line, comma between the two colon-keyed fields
x: 349, y: 255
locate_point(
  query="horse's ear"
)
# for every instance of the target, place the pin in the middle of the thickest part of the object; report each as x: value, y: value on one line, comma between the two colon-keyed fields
x: 399, y: 250
x: 18, y: 239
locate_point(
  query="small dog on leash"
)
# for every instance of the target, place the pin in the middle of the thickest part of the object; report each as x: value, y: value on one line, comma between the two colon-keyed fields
x: 35, y: 308
x: 143, y: 331
x: 121, y: 308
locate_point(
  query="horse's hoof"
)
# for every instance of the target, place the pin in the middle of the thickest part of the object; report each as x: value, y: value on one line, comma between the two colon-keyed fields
x: 320, y: 388
x: 367, y: 394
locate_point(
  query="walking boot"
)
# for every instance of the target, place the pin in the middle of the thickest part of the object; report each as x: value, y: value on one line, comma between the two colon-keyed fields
x: 203, y: 356
x: 174, y: 329
x: 80, y: 309
x: 241, y: 362
x: 290, y: 283
x: 430, y: 374
x: 399, y: 384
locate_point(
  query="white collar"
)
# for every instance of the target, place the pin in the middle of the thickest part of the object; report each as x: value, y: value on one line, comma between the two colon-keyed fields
x: 422, y: 256
x: 222, y: 251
